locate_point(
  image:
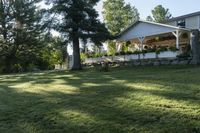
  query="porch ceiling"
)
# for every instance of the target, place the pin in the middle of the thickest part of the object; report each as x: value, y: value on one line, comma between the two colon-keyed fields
x: 146, y: 29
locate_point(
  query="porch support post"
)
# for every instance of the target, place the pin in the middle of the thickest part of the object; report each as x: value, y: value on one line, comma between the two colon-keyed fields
x: 191, y: 38
x: 177, y: 34
x: 118, y: 45
x: 141, y: 39
x: 177, y: 39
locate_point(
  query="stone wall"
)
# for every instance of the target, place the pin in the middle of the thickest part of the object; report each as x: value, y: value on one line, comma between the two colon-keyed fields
x: 153, y: 62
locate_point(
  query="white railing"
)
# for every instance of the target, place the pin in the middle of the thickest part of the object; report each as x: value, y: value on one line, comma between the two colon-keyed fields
x: 152, y: 55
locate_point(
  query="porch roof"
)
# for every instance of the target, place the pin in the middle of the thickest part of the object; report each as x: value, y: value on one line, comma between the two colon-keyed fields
x: 145, y: 28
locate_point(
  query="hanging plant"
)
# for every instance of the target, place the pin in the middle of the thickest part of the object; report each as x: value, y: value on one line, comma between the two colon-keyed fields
x: 185, y: 35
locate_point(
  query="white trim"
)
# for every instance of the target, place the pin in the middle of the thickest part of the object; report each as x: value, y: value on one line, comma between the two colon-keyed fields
x: 153, y: 23
x: 191, y: 38
x: 177, y: 34
x: 174, y: 33
x: 141, y: 39
x: 177, y: 39
x: 165, y: 25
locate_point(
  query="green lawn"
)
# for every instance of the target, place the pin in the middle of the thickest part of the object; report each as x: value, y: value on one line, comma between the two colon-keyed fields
x: 147, y: 99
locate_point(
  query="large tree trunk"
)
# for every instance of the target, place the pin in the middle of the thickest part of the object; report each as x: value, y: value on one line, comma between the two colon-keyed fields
x: 195, y: 47
x: 76, y: 54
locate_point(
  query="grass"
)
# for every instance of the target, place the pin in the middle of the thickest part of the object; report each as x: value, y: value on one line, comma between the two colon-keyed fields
x: 146, y: 99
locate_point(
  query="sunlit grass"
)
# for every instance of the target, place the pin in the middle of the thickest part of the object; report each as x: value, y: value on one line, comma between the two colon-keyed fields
x: 145, y: 99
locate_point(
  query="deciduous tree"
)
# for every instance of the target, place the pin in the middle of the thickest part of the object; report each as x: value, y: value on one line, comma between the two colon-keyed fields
x: 20, y: 31
x: 117, y: 16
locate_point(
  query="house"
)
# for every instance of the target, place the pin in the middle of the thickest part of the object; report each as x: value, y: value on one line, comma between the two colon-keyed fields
x: 173, y: 38
x: 190, y: 21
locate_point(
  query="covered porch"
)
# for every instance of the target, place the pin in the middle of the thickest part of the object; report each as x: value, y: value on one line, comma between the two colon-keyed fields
x: 155, y: 40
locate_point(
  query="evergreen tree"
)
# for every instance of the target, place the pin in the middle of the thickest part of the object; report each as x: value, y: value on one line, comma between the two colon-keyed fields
x: 149, y: 18
x: 79, y: 21
x: 160, y: 14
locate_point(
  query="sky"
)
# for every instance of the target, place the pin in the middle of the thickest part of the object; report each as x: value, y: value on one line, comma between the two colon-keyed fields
x: 176, y: 7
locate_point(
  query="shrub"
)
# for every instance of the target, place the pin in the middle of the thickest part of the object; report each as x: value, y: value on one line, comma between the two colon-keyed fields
x: 17, y: 68
x: 158, y: 51
x: 151, y: 50
x: 129, y: 53
x: 136, y: 52
x: 173, y: 48
x: 116, y: 54
x: 144, y: 51
x: 105, y: 67
x: 162, y: 48
x: 183, y: 56
x: 83, y: 56
x: 122, y: 53
x: 2, y: 67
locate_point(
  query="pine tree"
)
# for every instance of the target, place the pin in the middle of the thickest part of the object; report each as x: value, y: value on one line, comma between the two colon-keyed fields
x: 159, y: 14
x: 79, y: 21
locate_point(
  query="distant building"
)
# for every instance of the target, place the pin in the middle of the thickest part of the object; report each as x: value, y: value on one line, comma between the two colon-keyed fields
x: 190, y: 21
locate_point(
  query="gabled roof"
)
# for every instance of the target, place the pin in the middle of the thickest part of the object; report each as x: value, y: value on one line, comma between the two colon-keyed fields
x: 183, y: 17
x: 154, y: 23
x: 146, y: 28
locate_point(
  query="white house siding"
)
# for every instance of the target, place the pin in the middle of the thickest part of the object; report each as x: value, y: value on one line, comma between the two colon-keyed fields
x: 145, y: 29
x: 192, y: 22
x: 173, y: 23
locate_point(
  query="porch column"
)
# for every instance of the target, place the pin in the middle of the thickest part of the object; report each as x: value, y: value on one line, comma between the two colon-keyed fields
x: 141, y: 39
x: 118, y: 46
x: 191, y: 39
x: 177, y: 34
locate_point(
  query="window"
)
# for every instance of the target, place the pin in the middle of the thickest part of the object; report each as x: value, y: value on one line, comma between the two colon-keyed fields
x: 181, y: 23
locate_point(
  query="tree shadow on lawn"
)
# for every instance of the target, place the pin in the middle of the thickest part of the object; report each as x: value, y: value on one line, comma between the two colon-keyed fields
x: 100, y: 105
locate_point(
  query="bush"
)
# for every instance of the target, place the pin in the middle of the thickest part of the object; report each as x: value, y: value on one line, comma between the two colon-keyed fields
x: 183, y: 56
x: 83, y: 56
x: 129, y: 53
x: 144, y: 51
x: 173, y: 48
x: 151, y: 50
x: 136, y: 52
x: 162, y: 48
x: 17, y: 68
x: 116, y: 54
x: 104, y: 67
x: 1, y: 68
x: 158, y: 51
x: 122, y: 53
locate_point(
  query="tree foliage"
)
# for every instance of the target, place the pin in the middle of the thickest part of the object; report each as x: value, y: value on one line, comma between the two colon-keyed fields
x: 118, y: 15
x: 149, y: 18
x: 20, y: 32
x: 159, y: 14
